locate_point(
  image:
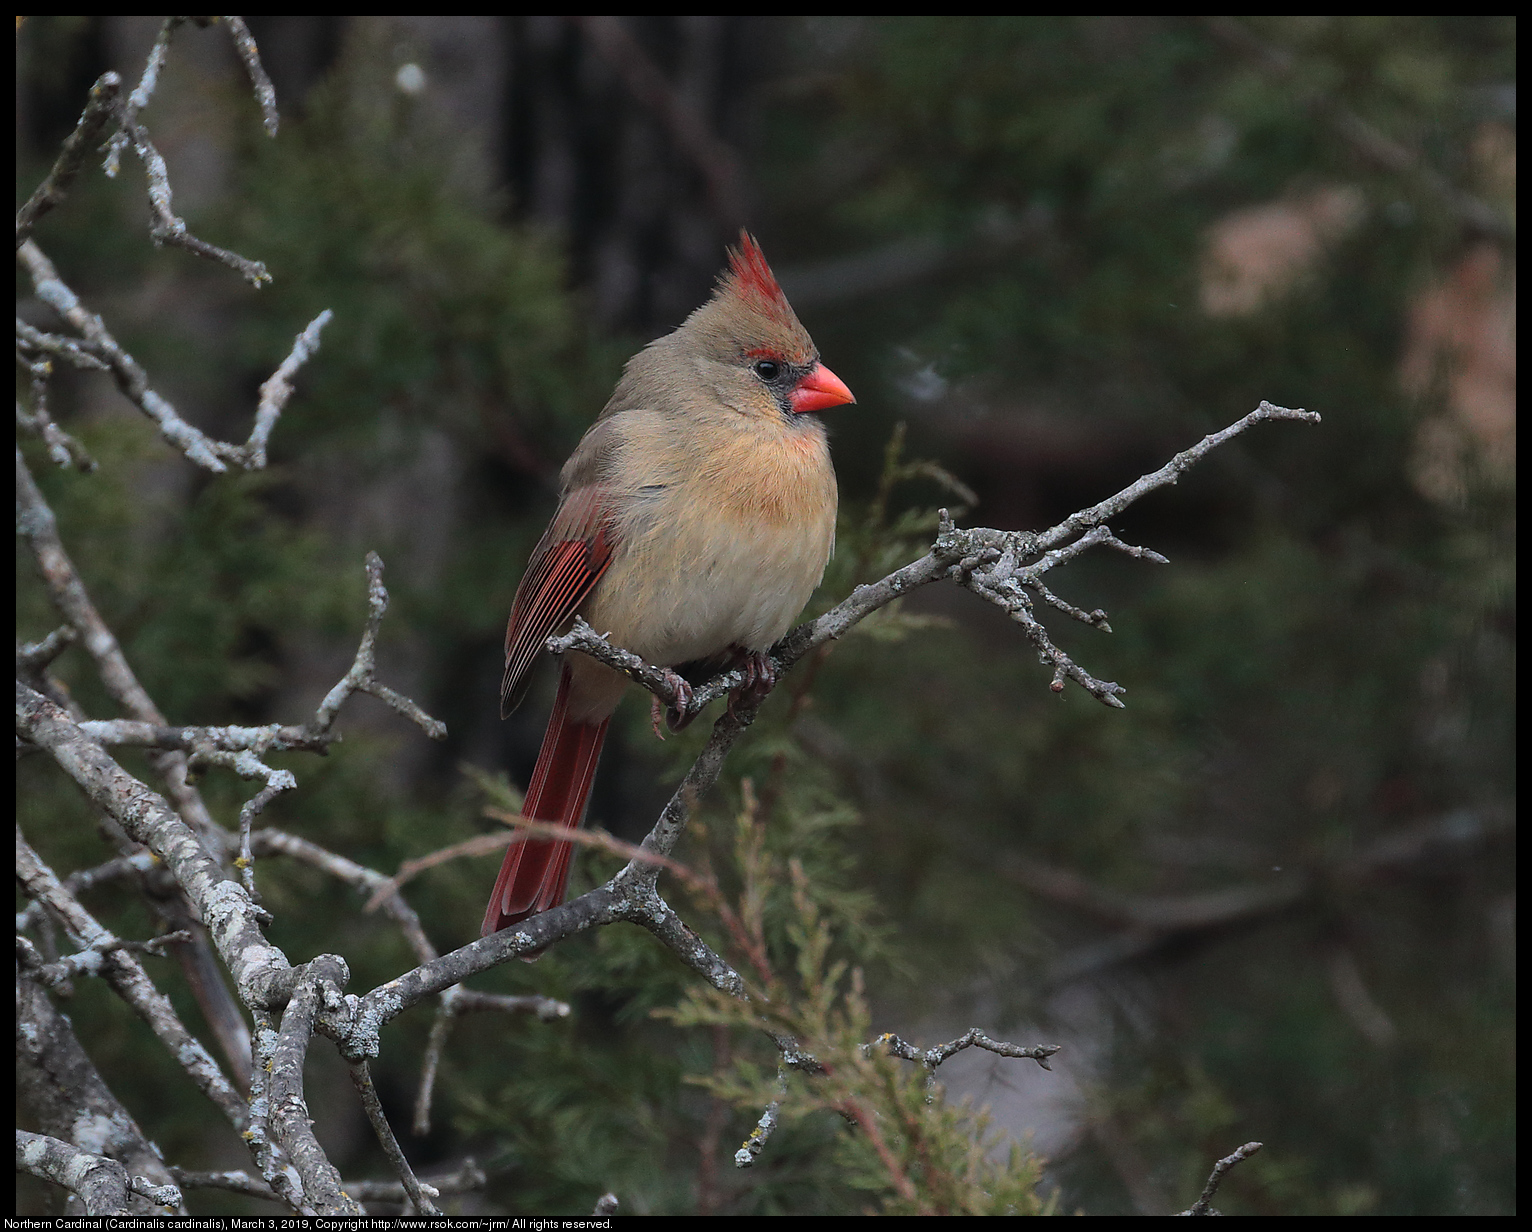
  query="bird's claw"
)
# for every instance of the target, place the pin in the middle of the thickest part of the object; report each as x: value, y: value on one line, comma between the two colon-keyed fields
x: 679, y: 712
x: 760, y: 679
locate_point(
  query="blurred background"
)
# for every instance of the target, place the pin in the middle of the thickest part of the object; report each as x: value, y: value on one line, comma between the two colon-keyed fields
x: 1272, y: 899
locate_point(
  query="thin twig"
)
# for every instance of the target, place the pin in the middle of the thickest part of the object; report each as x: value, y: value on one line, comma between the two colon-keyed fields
x: 244, y: 44
x: 420, y: 1195
x: 102, y: 1184
x: 456, y: 1001
x: 99, y: 108
x: 932, y: 1057
x: 142, y: 93
x: 278, y: 388
x: 130, y: 376
x: 128, y: 978
x: 362, y: 678
x: 752, y: 1147
x: 1202, y: 1206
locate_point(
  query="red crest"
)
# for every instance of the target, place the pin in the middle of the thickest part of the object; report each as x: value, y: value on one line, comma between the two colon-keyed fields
x: 751, y: 278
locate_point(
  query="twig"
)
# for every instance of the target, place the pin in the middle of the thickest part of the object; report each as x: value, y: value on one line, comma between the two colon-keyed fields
x: 84, y: 879
x: 276, y: 842
x: 130, y: 981
x: 130, y: 376
x: 479, y: 845
x: 103, y: 1184
x: 972, y: 1038
x: 99, y: 108
x: 752, y: 1147
x: 62, y: 447
x: 168, y: 227
x: 362, y: 678
x: 88, y: 960
x: 456, y: 1001
x: 244, y: 44
x: 1202, y: 1206
x: 81, y: 354
x: 291, y: 1127
x: 35, y: 656
x: 467, y: 1178
x: 420, y: 1195
x: 278, y: 388
x: 142, y: 92
x: 99, y: 344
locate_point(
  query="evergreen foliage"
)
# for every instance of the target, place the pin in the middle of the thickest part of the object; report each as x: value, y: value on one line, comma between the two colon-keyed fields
x: 1324, y: 669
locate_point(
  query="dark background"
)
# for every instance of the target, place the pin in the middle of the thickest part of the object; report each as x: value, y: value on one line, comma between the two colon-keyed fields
x: 1272, y: 899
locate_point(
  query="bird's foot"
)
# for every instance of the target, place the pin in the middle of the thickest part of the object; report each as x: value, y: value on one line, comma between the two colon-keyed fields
x: 678, y: 712
x: 760, y: 679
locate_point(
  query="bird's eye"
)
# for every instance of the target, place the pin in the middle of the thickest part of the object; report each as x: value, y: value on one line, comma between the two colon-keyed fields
x: 767, y: 369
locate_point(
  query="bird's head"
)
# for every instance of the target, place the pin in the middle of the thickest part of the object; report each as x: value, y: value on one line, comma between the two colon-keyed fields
x: 751, y: 350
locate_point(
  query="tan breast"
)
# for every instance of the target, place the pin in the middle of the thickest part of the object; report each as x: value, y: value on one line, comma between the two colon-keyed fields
x: 725, y: 548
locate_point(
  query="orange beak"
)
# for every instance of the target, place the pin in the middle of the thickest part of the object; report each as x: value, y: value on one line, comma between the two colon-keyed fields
x: 818, y: 391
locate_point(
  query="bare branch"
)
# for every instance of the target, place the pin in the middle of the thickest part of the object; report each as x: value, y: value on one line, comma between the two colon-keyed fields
x: 142, y: 92
x: 275, y: 842
x: 131, y: 378
x: 467, y: 1178
x: 244, y: 43
x: 261, y: 971
x: 204, y: 742
x: 132, y: 983
x: 982, y: 560
x: 1202, y: 1206
x: 752, y: 1147
x: 33, y: 657
x: 362, y: 676
x: 972, y: 1038
x: 59, y: 1085
x: 102, y: 1184
x: 456, y: 1001
x: 168, y: 228
x: 420, y: 1195
x: 291, y: 1127
x: 33, y: 341
x: 100, y: 108
x: 479, y: 845
x: 278, y: 388
x: 62, y: 448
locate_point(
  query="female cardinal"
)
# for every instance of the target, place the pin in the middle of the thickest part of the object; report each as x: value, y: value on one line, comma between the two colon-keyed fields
x: 695, y: 519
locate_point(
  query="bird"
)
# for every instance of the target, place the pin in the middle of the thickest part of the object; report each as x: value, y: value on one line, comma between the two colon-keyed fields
x: 695, y: 518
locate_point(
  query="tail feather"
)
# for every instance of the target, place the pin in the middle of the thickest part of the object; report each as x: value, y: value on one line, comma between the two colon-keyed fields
x: 535, y: 871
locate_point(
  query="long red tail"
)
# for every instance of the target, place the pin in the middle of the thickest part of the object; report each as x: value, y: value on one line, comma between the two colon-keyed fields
x: 535, y: 871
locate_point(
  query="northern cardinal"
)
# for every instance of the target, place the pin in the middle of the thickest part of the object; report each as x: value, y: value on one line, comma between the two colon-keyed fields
x: 695, y: 519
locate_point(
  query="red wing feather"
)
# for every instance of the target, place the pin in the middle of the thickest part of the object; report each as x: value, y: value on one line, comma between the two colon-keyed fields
x: 565, y: 567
